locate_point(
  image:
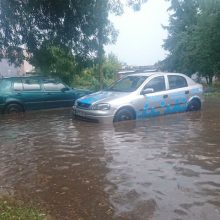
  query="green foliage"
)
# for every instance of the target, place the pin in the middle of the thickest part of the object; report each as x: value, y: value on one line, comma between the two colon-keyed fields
x: 193, y: 40
x: 89, y: 77
x: 55, y: 61
x: 80, y: 25
x: 69, y: 24
x: 111, y: 66
x: 181, y: 25
x: 10, y: 209
x: 55, y: 35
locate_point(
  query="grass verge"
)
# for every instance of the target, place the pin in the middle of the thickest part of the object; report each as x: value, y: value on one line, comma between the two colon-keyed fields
x: 212, y: 94
x: 212, y: 91
x: 11, y: 209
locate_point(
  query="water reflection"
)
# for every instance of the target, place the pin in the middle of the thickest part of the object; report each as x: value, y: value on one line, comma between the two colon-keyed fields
x: 161, y: 168
x: 166, y: 168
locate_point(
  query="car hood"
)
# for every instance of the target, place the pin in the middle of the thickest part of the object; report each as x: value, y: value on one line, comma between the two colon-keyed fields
x: 80, y: 92
x: 102, y: 96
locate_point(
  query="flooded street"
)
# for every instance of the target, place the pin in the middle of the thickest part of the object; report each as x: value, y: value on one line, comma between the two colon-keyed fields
x: 160, y: 168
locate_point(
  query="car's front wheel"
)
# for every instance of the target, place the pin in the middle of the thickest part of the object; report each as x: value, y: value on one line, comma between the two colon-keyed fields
x: 124, y: 115
x: 194, y: 105
x: 13, y: 108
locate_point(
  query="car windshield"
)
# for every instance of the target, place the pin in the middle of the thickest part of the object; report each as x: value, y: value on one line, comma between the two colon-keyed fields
x: 127, y: 84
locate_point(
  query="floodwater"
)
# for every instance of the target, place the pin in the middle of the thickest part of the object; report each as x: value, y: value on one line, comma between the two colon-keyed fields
x: 161, y: 168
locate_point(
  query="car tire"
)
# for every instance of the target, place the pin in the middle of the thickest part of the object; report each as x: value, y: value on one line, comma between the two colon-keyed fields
x: 124, y: 115
x: 194, y: 105
x: 13, y: 108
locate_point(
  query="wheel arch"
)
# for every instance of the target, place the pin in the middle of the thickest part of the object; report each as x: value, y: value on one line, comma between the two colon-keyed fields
x: 14, y: 102
x: 194, y: 98
x: 197, y: 98
x: 126, y: 107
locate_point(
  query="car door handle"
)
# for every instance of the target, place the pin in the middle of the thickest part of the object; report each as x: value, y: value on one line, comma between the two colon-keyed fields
x: 165, y: 96
x: 48, y: 93
x: 187, y: 92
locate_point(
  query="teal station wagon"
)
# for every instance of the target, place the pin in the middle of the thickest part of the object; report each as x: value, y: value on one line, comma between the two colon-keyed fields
x: 139, y: 96
x: 19, y: 94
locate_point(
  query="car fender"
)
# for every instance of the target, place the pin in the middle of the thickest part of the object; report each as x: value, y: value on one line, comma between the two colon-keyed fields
x: 128, y: 105
x: 13, y: 100
x: 194, y: 97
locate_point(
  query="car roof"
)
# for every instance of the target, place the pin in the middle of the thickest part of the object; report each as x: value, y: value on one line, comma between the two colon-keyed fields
x: 28, y: 76
x: 143, y: 74
x: 156, y: 73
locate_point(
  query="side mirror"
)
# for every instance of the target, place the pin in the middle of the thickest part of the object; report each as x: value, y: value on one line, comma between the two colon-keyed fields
x: 147, y: 91
x: 65, y: 89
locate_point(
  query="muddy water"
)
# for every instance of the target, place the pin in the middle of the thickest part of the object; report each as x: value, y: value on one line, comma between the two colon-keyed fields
x: 161, y: 168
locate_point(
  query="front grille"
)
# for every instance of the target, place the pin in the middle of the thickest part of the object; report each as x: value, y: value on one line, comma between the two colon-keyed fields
x: 83, y: 105
x: 86, y: 119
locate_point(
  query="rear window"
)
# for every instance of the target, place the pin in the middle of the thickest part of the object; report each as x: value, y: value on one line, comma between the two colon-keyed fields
x: 52, y: 85
x: 5, y: 85
x: 176, y: 82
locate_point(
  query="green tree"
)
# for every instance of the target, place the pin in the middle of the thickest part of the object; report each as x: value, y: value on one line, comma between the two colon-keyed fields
x: 77, y: 28
x: 71, y: 24
x: 79, y: 25
x: 181, y: 24
x: 111, y: 67
x: 89, y: 77
x: 206, y: 39
x: 52, y: 60
x: 193, y: 40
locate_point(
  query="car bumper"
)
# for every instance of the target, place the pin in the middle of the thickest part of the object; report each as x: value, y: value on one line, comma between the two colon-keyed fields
x: 93, y: 115
x: 1, y: 108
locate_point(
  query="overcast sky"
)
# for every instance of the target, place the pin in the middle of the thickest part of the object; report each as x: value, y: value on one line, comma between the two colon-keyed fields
x: 141, y: 35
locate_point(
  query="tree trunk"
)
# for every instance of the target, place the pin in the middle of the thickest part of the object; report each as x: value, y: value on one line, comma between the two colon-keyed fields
x: 207, y: 80
x: 210, y: 79
x: 101, y: 53
x: 101, y: 76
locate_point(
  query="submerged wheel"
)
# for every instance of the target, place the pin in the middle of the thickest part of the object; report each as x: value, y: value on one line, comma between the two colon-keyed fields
x: 194, y: 105
x: 13, y: 108
x: 124, y: 115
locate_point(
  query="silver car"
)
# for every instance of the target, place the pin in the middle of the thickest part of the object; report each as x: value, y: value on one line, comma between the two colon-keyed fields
x: 141, y: 95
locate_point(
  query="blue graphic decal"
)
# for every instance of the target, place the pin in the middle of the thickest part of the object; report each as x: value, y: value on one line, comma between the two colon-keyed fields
x: 179, y: 105
x: 94, y: 97
x: 147, y: 112
x: 163, y: 104
x: 184, y: 100
x: 88, y: 100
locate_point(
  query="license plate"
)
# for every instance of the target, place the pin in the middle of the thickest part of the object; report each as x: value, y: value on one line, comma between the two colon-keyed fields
x: 79, y: 113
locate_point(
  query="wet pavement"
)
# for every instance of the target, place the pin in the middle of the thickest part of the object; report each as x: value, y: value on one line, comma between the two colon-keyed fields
x: 160, y: 168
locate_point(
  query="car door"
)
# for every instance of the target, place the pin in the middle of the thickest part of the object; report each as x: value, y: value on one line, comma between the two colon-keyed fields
x: 5, y: 91
x: 153, y: 97
x: 178, y: 93
x: 28, y: 91
x: 57, y: 94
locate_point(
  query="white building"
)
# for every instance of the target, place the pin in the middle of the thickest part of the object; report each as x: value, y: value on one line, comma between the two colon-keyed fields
x: 7, y: 69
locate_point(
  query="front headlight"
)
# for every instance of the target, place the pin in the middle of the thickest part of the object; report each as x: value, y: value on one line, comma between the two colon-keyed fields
x: 75, y: 103
x: 101, y: 106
